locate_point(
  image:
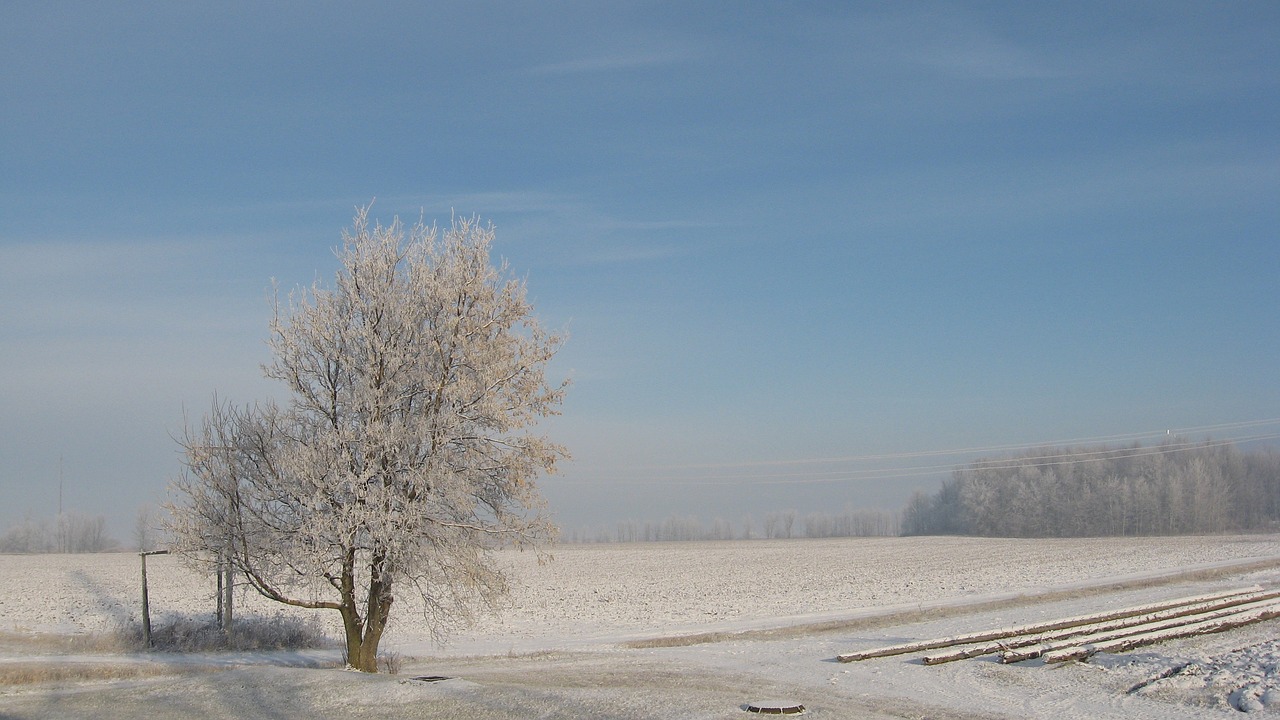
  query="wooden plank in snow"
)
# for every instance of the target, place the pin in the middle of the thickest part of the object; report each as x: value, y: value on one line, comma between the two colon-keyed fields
x: 1009, y: 645
x: 970, y: 638
x: 1043, y: 649
x: 1135, y: 641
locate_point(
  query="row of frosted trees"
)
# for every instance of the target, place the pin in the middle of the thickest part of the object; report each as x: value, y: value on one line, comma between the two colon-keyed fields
x: 1177, y: 487
x: 780, y: 524
x: 70, y: 532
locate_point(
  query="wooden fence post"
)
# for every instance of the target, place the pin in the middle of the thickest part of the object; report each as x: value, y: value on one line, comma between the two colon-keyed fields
x: 146, y: 605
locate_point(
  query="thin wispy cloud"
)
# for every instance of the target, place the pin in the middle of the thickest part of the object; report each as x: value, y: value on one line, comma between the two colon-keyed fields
x: 947, y: 44
x: 614, y: 62
x: 487, y: 204
x: 982, y: 59
x: 571, y: 229
x: 1156, y: 179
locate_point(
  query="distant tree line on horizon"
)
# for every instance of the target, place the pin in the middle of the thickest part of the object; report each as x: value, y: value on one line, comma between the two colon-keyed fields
x: 780, y: 524
x: 70, y: 532
x: 1176, y: 487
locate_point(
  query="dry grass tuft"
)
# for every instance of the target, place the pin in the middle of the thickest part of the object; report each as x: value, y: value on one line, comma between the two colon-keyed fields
x: 185, y: 634
x: 180, y: 635
x: 390, y: 662
x: 47, y: 643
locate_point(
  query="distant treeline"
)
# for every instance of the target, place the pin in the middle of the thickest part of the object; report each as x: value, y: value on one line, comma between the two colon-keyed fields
x: 1177, y: 487
x: 774, y: 525
x: 70, y: 532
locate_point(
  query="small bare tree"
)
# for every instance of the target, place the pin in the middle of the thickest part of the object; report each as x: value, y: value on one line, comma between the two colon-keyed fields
x: 771, y: 519
x: 142, y: 528
x: 402, y: 456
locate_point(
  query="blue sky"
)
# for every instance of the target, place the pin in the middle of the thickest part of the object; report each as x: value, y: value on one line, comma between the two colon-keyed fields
x: 784, y: 237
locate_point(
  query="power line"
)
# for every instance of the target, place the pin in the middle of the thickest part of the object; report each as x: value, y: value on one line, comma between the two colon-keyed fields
x: 728, y: 474
x: 990, y: 448
x: 835, y: 476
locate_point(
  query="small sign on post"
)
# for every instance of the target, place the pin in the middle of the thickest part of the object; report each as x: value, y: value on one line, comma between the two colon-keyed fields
x: 146, y: 605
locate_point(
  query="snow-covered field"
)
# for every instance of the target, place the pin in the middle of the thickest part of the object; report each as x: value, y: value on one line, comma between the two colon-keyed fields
x: 602, y: 631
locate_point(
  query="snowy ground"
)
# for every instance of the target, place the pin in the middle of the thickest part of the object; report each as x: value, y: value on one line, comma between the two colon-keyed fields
x: 604, y: 631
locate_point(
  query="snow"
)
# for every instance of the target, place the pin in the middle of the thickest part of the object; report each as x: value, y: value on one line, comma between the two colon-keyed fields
x: 1247, y: 679
x: 600, y: 631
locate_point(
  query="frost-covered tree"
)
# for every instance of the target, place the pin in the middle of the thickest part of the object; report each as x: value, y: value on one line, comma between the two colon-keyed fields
x: 69, y: 532
x: 1178, y: 486
x: 404, y: 453
x: 142, y: 528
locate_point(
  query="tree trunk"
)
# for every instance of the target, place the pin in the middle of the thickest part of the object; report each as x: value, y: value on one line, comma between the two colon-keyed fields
x: 374, y: 625
x: 353, y: 628
x: 352, y: 624
x: 377, y: 610
x: 365, y: 634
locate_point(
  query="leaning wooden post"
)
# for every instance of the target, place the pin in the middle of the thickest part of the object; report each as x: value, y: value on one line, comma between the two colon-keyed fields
x: 146, y: 605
